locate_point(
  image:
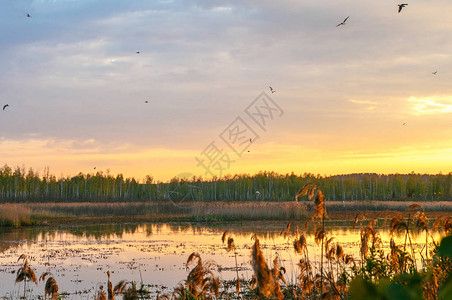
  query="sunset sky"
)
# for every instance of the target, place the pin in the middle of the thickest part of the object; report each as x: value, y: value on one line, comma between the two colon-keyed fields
x: 355, y: 98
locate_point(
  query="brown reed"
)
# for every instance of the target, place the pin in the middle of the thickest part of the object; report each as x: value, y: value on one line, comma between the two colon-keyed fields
x: 230, y: 247
x: 201, y: 281
x: 101, y: 294
x: 266, y: 283
x: 25, y: 272
x: 51, y: 286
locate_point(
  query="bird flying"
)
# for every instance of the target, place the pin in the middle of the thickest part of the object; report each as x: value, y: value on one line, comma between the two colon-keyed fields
x: 434, y: 73
x: 343, y: 22
x: 146, y: 101
x: 401, y: 6
x: 138, y: 52
x: 272, y: 90
x: 5, y: 106
x: 28, y: 16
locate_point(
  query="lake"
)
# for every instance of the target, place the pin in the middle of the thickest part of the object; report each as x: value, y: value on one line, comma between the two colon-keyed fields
x: 153, y: 254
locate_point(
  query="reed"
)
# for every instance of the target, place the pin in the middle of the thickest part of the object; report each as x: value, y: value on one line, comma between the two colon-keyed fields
x: 267, y: 280
x: 25, y: 272
x: 231, y: 247
x: 15, y: 215
x: 51, y: 286
x: 201, y: 282
x: 221, y: 211
x: 337, y: 277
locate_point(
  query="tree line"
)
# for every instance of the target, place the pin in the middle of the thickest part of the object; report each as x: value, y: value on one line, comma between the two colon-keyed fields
x: 20, y: 185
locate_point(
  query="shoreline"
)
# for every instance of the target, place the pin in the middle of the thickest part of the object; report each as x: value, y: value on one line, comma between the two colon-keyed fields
x: 42, y: 214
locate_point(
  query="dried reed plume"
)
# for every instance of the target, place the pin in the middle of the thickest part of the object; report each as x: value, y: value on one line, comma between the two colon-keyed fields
x: 230, y: 241
x: 278, y: 275
x: 347, y: 259
x: 319, y: 235
x: 398, y: 224
x: 111, y: 293
x: 230, y: 247
x: 420, y: 221
x: 120, y: 287
x: 320, y: 209
x: 307, y: 188
x: 305, y: 279
x: 437, y: 223
x: 223, y: 237
x: 359, y: 216
x: 267, y: 285
x: 300, y: 245
x: 25, y: 272
x: 51, y: 287
x: 286, y: 230
x: 201, y: 281
x: 369, y: 235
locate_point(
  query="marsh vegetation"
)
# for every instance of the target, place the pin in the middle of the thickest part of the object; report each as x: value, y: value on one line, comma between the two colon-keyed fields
x: 259, y: 259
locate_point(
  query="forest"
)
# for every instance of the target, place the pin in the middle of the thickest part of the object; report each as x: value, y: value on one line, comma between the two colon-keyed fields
x: 19, y: 185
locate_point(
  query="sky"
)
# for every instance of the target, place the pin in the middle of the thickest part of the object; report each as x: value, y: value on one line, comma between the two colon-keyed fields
x: 358, y: 98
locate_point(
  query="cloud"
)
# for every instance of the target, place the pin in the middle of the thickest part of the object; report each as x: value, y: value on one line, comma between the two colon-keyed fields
x: 431, y: 105
x: 71, y: 73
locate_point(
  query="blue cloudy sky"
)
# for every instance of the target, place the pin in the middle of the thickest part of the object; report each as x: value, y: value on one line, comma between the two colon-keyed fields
x: 76, y: 86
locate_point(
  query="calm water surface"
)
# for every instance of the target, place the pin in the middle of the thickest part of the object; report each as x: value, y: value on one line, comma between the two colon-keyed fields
x: 154, y: 254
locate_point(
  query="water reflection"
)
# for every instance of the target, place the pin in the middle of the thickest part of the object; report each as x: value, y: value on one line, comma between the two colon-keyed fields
x: 79, y: 256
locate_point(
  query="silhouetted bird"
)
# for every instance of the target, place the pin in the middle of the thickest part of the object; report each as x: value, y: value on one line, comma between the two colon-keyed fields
x: 251, y: 140
x: 146, y: 101
x: 434, y: 73
x: 343, y: 22
x: 272, y: 90
x: 401, y: 6
x: 5, y: 106
x: 28, y: 15
x: 138, y: 52
x: 94, y: 168
x: 403, y: 123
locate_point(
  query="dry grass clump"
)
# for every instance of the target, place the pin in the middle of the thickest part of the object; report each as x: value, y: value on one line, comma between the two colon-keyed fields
x: 248, y: 211
x: 14, y: 215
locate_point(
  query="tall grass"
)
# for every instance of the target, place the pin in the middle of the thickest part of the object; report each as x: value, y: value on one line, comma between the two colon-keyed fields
x: 222, y: 211
x: 15, y: 215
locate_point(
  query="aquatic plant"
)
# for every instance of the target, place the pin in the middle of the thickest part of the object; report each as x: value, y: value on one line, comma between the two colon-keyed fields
x: 25, y: 272
x: 267, y: 280
x: 201, y: 281
x: 51, y: 286
x: 101, y: 294
x: 231, y: 247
